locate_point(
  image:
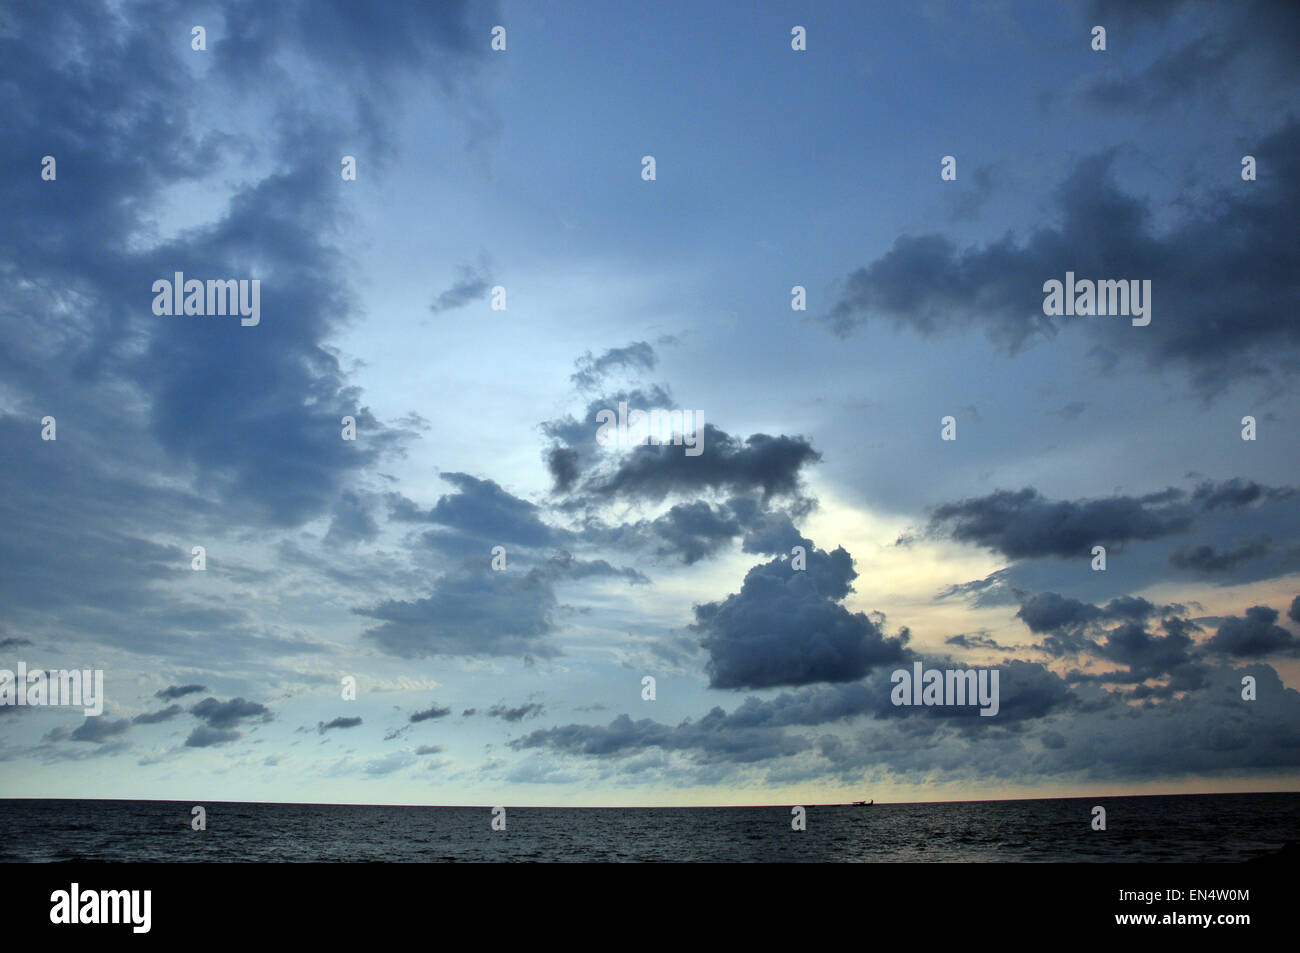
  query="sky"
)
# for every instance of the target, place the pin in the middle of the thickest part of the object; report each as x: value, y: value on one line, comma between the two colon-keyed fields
x: 496, y: 579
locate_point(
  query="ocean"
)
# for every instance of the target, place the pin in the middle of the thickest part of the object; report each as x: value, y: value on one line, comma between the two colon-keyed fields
x: 1187, y: 828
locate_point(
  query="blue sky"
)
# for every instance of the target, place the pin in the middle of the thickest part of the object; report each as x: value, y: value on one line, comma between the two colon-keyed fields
x: 476, y: 427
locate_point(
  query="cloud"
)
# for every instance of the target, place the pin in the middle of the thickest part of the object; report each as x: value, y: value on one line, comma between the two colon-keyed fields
x: 182, y: 421
x: 711, y: 738
x: 352, y: 522
x: 1206, y: 559
x: 1249, y: 48
x: 1022, y: 524
x: 473, y: 284
x: 379, y: 767
x: 227, y: 714
x: 154, y: 717
x: 324, y: 726
x: 638, y: 355
x: 760, y: 462
x: 179, y: 691
x: 1236, y: 493
x: 693, y: 531
x: 967, y: 640
x: 1255, y: 636
x: 563, y: 565
x: 1044, y: 730
x: 756, y: 730
x: 479, y: 516
x: 573, y: 448
x: 529, y: 710
x: 1074, y: 627
x: 470, y: 612
x: 1232, y: 256
x: 96, y: 730
x: 563, y: 464
x: 786, y: 627
x: 434, y: 711
x: 206, y: 737
x: 1077, y: 628
x: 1147, y: 655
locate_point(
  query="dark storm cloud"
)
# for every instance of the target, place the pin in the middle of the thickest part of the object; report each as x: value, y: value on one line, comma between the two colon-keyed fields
x: 573, y: 448
x: 352, y: 522
x: 691, y: 532
x: 562, y: 462
x: 1073, y: 627
x: 153, y: 717
x: 564, y: 566
x: 1255, y: 636
x: 98, y: 730
x: 638, y: 355
x: 13, y: 643
x: 713, y: 738
x: 1206, y: 731
x: 205, y: 737
x: 983, y: 183
x: 228, y: 714
x: 434, y: 711
x: 1236, y: 493
x: 471, y: 285
x: 175, y: 421
x: 1294, y: 612
x: 274, y: 440
x: 579, y: 434
x: 787, y: 627
x: 1079, y: 628
x: 756, y: 729
x: 179, y: 691
x: 1144, y: 654
x: 758, y: 463
x: 1028, y: 691
x: 1248, y: 46
x: 1233, y: 255
x: 995, y: 589
x: 479, y: 516
x: 1053, y: 612
x: 221, y: 720
x: 370, y: 44
x: 470, y: 612
x: 973, y: 641
x: 1208, y: 560
x: 770, y: 532
x: 483, y: 508
x: 1022, y: 524
x: 324, y: 726
x: 529, y: 710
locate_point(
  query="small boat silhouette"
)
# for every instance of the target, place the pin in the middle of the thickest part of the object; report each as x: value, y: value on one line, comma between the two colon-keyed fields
x: 864, y: 803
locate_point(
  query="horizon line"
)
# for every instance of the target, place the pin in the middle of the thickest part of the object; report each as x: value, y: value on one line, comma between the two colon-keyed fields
x: 643, y: 807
